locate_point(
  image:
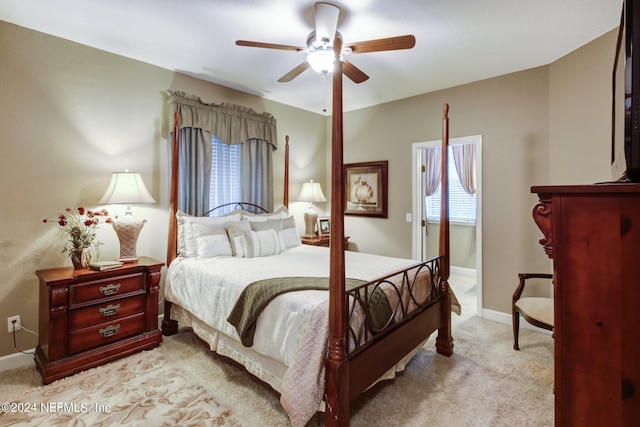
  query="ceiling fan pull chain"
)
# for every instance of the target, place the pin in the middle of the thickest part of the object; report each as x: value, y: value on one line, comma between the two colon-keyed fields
x: 324, y: 86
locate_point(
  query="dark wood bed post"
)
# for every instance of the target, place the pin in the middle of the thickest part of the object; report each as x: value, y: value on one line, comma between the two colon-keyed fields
x: 337, y: 366
x: 444, y: 341
x: 285, y: 198
x: 170, y: 327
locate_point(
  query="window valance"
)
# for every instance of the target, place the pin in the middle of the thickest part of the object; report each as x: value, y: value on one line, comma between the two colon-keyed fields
x: 232, y: 124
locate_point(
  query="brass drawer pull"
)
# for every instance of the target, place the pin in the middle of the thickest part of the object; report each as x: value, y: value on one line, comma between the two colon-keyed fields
x: 109, y: 310
x: 109, y: 331
x: 110, y: 289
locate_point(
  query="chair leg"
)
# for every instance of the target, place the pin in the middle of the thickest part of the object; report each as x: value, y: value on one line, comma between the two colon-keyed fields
x: 516, y: 328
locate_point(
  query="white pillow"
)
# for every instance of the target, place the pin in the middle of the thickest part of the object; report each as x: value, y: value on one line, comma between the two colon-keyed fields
x: 213, y: 245
x: 270, y: 224
x: 186, y: 236
x: 279, y: 213
x: 290, y: 233
x: 211, y: 240
x: 261, y: 243
x: 235, y: 231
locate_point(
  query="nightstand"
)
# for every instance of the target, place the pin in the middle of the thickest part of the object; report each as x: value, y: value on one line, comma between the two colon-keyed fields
x: 88, y: 318
x: 321, y: 241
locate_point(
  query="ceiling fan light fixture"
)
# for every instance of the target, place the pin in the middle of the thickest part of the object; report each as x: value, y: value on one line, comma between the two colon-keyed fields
x: 322, y: 60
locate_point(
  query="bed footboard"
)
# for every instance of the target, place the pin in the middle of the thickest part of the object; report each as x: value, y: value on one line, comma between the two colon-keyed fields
x: 408, y: 292
x: 379, y: 335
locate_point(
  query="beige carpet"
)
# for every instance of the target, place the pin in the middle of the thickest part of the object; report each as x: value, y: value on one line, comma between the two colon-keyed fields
x: 485, y: 382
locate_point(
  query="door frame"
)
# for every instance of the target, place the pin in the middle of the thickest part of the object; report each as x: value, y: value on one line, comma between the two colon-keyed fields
x: 417, y: 228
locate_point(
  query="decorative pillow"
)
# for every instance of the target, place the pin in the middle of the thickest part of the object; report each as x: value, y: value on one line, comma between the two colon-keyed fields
x: 211, y: 240
x: 290, y: 233
x: 261, y: 243
x: 270, y: 224
x: 235, y: 231
x: 186, y: 236
x: 279, y: 213
x: 213, y: 245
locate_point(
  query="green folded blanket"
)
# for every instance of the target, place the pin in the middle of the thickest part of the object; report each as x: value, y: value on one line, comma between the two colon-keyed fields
x: 255, y: 297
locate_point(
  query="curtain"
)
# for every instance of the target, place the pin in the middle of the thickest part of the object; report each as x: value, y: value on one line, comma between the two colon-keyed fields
x: 232, y: 124
x: 256, y: 164
x: 195, y: 171
x: 432, y: 175
x: 464, y: 157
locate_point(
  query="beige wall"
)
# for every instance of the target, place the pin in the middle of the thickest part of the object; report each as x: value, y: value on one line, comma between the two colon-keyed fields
x: 511, y: 114
x: 70, y: 115
x: 580, y: 114
x: 462, y: 241
x: 549, y: 125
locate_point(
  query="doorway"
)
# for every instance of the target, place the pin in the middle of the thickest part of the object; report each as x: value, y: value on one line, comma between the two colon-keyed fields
x: 467, y: 237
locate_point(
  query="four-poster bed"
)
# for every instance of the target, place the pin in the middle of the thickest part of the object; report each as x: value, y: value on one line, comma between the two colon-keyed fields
x: 360, y: 346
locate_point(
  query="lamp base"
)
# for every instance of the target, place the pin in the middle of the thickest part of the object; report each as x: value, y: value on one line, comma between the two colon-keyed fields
x: 128, y: 229
x: 310, y: 223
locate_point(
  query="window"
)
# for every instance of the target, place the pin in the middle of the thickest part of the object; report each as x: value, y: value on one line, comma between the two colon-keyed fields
x: 462, y: 205
x: 226, y: 177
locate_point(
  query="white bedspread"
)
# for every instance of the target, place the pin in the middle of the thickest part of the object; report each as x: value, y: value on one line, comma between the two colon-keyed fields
x: 208, y: 289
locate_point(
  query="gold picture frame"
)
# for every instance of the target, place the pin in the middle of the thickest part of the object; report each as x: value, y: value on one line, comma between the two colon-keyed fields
x: 366, y: 186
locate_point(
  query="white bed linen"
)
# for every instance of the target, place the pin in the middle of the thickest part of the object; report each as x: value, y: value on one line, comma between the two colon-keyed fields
x: 208, y: 289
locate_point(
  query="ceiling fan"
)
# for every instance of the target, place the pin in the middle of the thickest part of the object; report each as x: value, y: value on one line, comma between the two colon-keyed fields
x: 320, y: 54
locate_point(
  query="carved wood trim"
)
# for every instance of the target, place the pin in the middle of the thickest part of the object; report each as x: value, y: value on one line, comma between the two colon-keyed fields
x: 542, y: 215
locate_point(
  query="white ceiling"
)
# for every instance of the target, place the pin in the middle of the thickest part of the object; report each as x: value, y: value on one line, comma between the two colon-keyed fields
x: 456, y: 41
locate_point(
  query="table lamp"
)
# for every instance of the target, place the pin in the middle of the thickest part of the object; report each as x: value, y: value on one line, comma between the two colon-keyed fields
x: 127, y: 188
x: 311, y: 192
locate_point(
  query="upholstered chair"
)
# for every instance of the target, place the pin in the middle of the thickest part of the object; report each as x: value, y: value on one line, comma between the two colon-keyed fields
x: 538, y: 311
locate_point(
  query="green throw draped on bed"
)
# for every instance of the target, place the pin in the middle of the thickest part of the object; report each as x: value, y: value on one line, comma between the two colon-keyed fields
x: 255, y: 297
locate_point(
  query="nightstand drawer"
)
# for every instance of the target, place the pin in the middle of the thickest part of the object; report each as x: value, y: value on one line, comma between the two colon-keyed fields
x: 104, y: 333
x: 108, y: 311
x: 105, y: 289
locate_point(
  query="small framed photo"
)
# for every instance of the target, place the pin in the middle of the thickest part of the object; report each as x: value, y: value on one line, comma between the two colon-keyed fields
x: 366, y: 189
x: 324, y: 227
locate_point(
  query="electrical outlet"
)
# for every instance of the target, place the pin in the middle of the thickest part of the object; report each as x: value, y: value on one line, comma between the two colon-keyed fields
x: 11, y: 325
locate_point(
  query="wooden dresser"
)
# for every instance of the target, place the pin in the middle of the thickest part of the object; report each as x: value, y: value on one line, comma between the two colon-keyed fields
x: 592, y: 233
x: 88, y: 317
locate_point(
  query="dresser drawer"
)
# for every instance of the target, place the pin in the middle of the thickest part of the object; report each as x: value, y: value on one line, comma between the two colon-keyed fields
x: 108, y: 311
x: 104, y: 333
x: 105, y: 289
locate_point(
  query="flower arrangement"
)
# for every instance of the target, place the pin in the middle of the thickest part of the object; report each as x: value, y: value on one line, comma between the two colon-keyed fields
x: 80, y: 225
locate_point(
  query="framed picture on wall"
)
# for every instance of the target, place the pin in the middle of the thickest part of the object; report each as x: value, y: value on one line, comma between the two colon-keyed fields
x: 324, y: 227
x: 366, y: 189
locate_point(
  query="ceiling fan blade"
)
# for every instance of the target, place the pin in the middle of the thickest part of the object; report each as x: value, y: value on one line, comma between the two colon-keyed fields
x: 269, y: 45
x: 326, y: 22
x: 294, y: 73
x: 354, y: 73
x: 391, y: 43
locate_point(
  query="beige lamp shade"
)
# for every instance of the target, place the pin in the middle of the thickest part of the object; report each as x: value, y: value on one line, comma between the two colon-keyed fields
x: 311, y: 192
x: 127, y: 188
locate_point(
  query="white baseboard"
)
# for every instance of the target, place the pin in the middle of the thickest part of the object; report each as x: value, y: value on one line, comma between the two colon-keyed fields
x: 505, y: 318
x: 17, y: 360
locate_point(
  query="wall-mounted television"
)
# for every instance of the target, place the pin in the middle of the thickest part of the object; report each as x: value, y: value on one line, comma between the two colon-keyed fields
x: 625, y: 141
